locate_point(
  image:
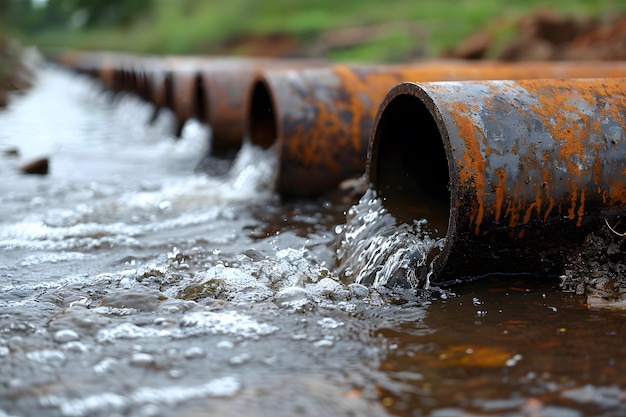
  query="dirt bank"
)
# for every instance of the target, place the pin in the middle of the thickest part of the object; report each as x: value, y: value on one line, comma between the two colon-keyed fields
x: 547, y: 35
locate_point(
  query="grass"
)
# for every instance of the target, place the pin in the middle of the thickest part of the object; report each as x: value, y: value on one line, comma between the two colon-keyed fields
x: 197, y: 26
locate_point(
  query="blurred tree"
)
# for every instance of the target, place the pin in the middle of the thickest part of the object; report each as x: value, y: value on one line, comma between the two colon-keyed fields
x: 37, y: 15
x: 110, y: 12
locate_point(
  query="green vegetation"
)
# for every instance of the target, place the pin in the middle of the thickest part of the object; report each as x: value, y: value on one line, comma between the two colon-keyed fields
x: 404, y: 28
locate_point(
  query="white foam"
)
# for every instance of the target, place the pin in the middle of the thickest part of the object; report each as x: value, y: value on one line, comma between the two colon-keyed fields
x: 190, y: 325
x: 110, y: 402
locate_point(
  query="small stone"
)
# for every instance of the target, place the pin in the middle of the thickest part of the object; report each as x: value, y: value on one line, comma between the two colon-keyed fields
x: 11, y: 152
x: 38, y: 167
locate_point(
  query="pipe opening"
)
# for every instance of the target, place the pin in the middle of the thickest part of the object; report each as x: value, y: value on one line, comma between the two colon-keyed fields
x: 263, y: 130
x: 410, y: 167
x: 169, y: 90
x: 200, y: 99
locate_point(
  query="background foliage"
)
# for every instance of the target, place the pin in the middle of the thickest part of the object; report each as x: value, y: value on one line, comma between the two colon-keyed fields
x: 396, y: 29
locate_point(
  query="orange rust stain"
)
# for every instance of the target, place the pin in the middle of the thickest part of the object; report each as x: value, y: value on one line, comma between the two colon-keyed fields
x: 581, y: 208
x: 500, y: 192
x: 535, y: 205
x: 472, y: 166
x: 561, y: 106
x: 571, y: 212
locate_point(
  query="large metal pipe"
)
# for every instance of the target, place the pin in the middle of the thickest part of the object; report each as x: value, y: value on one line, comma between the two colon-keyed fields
x: 213, y: 90
x: 322, y: 117
x: 221, y: 96
x: 180, y: 81
x: 511, y: 171
x: 224, y: 87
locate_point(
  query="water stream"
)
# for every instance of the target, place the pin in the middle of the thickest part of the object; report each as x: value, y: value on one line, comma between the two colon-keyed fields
x: 132, y: 286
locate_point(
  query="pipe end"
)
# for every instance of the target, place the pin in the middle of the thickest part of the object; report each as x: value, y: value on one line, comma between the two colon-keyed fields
x: 408, y: 165
x: 262, y: 127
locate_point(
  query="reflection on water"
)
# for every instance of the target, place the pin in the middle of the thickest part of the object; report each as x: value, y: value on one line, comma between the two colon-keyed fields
x: 131, y: 286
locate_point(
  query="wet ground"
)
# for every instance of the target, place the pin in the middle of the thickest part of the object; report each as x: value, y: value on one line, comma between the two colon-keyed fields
x: 130, y: 285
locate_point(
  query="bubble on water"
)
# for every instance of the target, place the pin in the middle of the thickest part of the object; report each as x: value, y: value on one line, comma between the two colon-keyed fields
x: 240, y: 359
x: 4, y: 351
x: 226, y: 323
x: 66, y: 335
x: 195, y: 352
x: 291, y: 296
x: 141, y: 359
x: 175, y: 373
x: 225, y: 344
x: 115, y: 311
x: 165, y: 205
x: 192, y: 324
x: 127, y: 331
x: 105, y: 365
x: 330, y: 289
x: 47, y: 356
x: 358, y: 290
x: 324, y: 343
x: 75, y: 347
x: 329, y: 323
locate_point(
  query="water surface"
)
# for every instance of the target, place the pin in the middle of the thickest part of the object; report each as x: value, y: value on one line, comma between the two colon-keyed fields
x: 131, y: 285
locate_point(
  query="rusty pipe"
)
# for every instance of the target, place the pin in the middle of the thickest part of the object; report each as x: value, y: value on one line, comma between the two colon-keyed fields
x: 222, y: 94
x: 511, y: 171
x: 195, y: 85
x: 322, y: 117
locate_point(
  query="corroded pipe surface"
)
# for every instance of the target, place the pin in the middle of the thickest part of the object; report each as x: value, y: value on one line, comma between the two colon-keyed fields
x: 516, y: 170
x: 179, y: 78
x: 220, y: 96
x: 223, y: 90
x: 322, y: 117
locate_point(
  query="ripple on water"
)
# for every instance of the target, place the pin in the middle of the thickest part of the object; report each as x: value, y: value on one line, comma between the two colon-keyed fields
x: 190, y: 325
x: 108, y: 403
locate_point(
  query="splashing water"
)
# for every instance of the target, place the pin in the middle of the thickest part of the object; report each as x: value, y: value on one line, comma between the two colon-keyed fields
x: 374, y: 250
x: 132, y: 285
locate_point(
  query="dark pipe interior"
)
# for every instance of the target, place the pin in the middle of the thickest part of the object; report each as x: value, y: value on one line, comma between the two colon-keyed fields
x: 200, y: 99
x: 263, y: 130
x: 169, y: 90
x: 411, y: 167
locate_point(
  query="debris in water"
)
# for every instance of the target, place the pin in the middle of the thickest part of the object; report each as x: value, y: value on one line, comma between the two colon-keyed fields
x: 11, y: 152
x: 38, y: 166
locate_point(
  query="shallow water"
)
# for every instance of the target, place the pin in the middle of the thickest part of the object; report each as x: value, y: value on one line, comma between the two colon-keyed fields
x: 130, y: 285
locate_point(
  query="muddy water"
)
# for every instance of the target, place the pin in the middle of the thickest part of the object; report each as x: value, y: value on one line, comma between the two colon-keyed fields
x: 130, y: 285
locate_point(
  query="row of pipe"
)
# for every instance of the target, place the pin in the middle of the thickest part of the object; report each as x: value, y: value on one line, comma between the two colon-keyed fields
x: 506, y: 168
